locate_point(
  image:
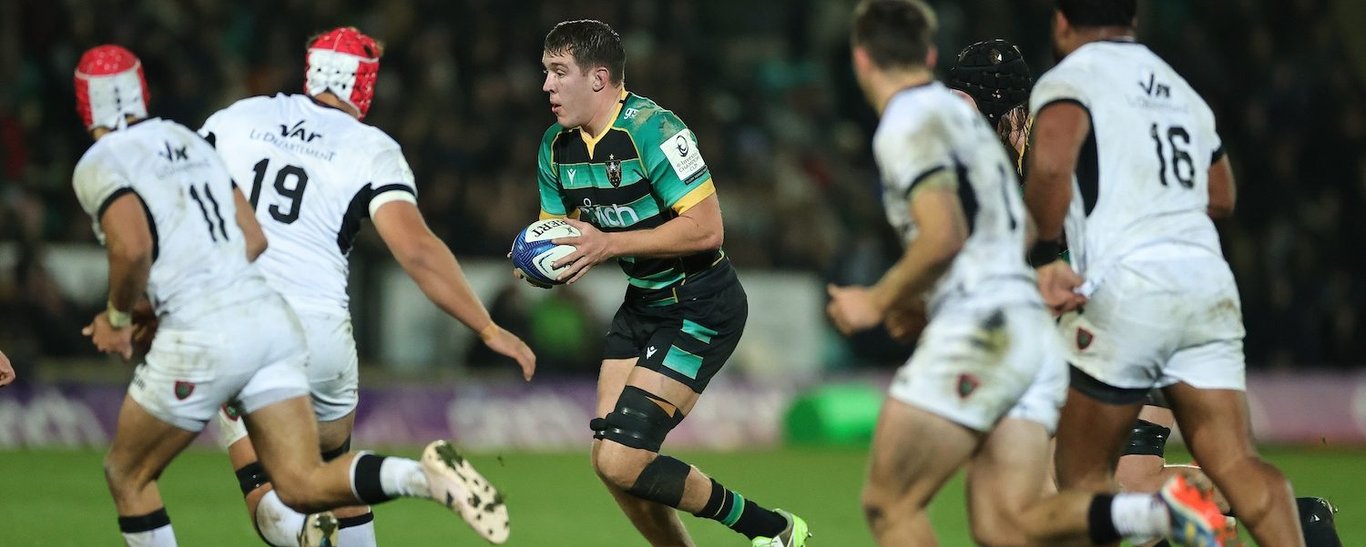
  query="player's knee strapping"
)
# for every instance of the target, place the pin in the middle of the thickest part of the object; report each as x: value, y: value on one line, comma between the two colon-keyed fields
x: 329, y: 455
x: 662, y: 481
x: 638, y: 421
x: 1147, y: 439
x: 251, y: 476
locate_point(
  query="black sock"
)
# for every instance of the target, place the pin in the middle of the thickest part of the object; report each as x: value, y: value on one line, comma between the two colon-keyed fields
x: 348, y: 522
x: 365, y: 479
x: 144, y: 523
x: 728, y: 507
x: 1099, y: 522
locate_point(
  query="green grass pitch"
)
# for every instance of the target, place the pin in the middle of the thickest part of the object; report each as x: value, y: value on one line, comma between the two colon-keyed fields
x: 59, y: 498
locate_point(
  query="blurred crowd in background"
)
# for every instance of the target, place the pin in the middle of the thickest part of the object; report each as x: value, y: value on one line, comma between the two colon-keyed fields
x: 766, y: 85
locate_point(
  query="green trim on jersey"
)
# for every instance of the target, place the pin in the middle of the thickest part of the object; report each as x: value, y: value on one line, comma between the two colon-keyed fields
x: 644, y: 170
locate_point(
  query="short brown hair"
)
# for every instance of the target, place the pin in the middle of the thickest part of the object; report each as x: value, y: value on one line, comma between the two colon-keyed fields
x: 591, y: 43
x: 896, y: 33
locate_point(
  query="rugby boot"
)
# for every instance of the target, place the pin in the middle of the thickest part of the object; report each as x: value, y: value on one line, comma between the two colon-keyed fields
x: 320, y: 530
x: 455, y: 484
x: 793, y: 536
x: 1195, y: 518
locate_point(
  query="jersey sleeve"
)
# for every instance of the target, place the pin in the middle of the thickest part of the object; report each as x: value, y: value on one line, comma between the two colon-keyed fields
x: 678, y: 174
x: 212, y: 127
x: 547, y: 178
x: 911, y: 153
x: 1216, y: 146
x: 391, y: 178
x: 1060, y: 84
x: 98, y: 181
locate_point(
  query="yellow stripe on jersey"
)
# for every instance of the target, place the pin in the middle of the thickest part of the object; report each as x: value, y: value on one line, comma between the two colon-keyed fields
x: 695, y: 196
x: 592, y: 141
x: 572, y: 214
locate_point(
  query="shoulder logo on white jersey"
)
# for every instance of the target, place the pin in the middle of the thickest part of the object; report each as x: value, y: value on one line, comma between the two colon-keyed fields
x: 650, y: 352
x: 298, y: 130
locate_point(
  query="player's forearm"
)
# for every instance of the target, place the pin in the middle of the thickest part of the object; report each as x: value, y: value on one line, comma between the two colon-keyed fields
x: 681, y: 236
x: 128, y: 271
x: 439, y: 276
x: 1046, y: 196
x: 923, y: 263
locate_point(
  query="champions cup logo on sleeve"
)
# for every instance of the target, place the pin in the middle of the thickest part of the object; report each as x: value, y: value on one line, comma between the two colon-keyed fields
x: 687, y: 163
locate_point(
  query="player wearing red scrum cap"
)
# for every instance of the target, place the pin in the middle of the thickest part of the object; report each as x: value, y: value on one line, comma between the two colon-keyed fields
x: 180, y: 237
x: 314, y: 173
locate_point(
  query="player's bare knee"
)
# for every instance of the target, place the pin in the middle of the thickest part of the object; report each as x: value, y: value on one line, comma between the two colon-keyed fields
x: 124, y: 476
x: 616, y: 466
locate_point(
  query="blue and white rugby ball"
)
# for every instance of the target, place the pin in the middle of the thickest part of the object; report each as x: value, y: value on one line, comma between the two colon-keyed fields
x: 533, y: 253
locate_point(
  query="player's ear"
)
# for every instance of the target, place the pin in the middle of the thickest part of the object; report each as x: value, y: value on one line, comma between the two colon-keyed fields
x: 932, y: 58
x: 599, y: 78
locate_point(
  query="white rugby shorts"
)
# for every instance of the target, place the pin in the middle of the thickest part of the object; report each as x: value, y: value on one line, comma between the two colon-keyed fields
x: 977, y: 366
x: 1153, y: 323
x: 250, y: 355
x: 333, y: 375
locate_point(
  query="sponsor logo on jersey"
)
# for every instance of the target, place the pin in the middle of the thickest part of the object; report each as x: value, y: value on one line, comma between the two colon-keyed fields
x: 614, y: 170
x: 284, y: 142
x: 1154, y: 88
x: 629, y: 113
x: 298, y: 131
x: 173, y: 154
x: 609, y: 216
x: 572, y: 172
x: 183, y: 389
x: 650, y: 352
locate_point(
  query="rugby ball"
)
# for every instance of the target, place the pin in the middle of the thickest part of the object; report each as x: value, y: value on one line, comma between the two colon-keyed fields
x: 533, y: 253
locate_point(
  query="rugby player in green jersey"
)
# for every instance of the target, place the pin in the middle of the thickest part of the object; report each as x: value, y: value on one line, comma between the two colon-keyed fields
x: 628, y: 174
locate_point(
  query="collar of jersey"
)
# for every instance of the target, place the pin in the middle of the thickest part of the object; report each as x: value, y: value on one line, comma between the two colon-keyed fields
x: 592, y: 141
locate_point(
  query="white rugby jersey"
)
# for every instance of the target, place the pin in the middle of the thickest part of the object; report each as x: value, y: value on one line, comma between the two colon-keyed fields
x: 1141, y: 187
x: 199, y: 254
x: 926, y: 129
x: 313, y: 173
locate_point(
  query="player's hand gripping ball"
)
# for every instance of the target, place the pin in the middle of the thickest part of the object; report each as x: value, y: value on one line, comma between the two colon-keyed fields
x: 533, y: 254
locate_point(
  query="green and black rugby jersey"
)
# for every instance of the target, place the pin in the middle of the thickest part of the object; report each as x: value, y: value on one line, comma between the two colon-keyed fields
x: 644, y: 170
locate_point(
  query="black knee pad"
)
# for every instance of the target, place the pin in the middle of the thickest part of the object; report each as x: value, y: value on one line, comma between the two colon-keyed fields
x: 1147, y: 439
x: 329, y: 455
x: 637, y: 421
x: 1316, y: 519
x: 251, y: 476
x: 662, y: 481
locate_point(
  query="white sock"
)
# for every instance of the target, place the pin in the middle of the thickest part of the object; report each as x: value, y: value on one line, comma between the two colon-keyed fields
x: 1140, y: 515
x: 278, y: 523
x: 150, y: 530
x: 403, y: 477
x: 360, y: 535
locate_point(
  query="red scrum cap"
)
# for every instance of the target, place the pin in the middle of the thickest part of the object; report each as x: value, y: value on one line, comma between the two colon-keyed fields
x: 346, y: 62
x: 109, y: 86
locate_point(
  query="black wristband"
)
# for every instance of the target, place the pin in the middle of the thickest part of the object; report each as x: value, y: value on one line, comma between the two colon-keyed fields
x: 1044, y: 252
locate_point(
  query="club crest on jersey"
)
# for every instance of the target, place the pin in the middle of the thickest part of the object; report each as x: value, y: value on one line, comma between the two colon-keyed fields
x: 183, y: 389
x: 232, y: 411
x: 173, y: 154
x: 298, y: 130
x: 967, y: 383
x: 614, y: 170
x: 1084, y: 338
